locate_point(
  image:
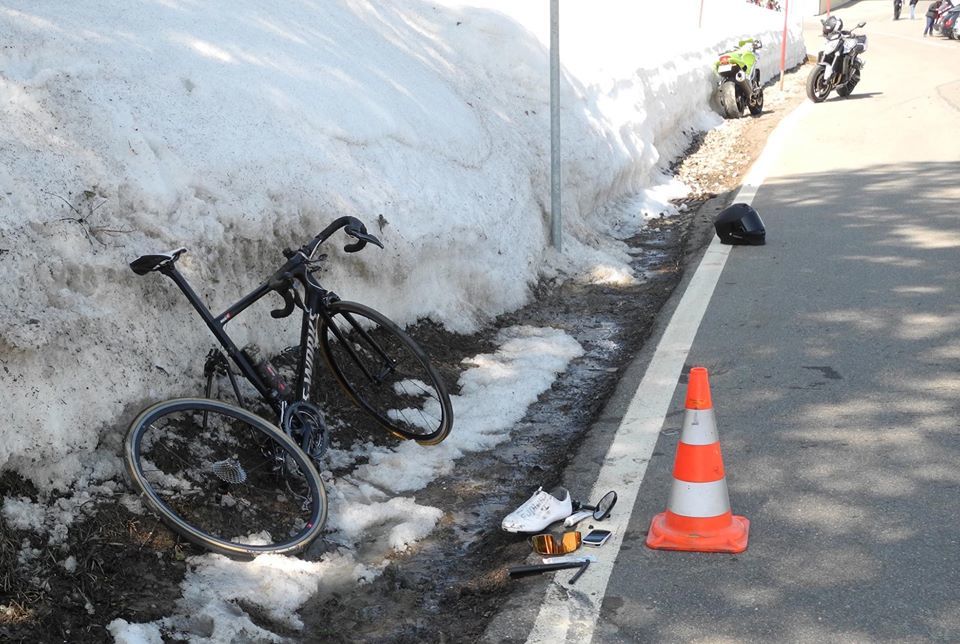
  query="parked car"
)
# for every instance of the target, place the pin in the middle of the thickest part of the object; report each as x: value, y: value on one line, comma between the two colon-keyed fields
x: 948, y: 23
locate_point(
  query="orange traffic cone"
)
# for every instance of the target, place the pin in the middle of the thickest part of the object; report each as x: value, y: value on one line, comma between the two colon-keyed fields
x: 698, y: 516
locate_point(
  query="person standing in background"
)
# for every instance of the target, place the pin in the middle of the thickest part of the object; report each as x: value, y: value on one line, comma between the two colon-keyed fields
x: 931, y: 16
x: 913, y: 9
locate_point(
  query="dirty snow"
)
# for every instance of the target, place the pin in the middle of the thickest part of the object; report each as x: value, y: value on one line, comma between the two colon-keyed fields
x: 367, y: 521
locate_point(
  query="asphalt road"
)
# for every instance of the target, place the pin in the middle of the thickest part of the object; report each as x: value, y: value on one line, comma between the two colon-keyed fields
x: 833, y: 354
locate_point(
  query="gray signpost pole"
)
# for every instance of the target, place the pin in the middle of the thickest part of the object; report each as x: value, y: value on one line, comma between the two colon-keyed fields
x: 555, y: 222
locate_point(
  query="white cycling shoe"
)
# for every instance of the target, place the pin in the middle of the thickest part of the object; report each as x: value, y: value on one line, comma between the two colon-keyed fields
x: 539, y: 511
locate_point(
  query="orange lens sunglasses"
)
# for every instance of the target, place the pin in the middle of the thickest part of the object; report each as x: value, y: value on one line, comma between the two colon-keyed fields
x: 548, y: 544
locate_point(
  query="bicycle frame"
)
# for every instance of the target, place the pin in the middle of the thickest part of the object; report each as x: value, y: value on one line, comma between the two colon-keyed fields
x: 313, y: 307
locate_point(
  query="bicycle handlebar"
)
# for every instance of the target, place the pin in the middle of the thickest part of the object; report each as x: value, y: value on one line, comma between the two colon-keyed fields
x: 352, y: 226
x: 281, y: 280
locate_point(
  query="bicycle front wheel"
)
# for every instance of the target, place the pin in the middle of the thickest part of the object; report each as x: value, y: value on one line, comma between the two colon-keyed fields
x: 386, y: 373
x: 224, y: 478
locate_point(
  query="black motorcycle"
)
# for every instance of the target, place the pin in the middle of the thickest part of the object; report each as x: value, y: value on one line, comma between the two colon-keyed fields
x: 838, y: 65
x: 897, y: 6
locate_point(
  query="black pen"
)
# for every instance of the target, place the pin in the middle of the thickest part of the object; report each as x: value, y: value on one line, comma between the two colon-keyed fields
x: 523, y: 571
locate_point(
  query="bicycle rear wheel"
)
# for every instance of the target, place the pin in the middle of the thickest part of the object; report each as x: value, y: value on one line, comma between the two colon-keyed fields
x: 386, y: 373
x: 224, y: 478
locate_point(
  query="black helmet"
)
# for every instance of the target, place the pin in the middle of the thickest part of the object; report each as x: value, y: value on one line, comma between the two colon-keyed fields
x: 831, y: 24
x: 740, y: 224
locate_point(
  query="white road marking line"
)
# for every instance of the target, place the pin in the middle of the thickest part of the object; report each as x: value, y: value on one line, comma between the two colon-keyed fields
x: 569, y: 613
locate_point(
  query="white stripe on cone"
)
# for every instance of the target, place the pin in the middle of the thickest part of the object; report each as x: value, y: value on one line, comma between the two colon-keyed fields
x: 699, y: 427
x: 699, y: 499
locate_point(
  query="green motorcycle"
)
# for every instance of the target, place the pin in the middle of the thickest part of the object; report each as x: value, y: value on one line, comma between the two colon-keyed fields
x: 739, y: 80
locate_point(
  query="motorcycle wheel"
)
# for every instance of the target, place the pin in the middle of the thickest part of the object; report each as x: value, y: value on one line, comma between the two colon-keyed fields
x: 756, y: 107
x: 729, y: 101
x: 817, y: 86
x: 847, y: 88
x: 896, y: 13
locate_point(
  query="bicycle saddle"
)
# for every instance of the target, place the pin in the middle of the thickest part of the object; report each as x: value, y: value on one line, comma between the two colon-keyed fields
x: 146, y: 263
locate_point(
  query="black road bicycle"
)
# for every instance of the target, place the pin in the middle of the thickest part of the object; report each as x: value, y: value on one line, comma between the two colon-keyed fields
x: 229, y: 480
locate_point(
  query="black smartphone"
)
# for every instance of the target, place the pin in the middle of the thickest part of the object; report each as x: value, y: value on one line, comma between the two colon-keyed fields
x: 596, y: 537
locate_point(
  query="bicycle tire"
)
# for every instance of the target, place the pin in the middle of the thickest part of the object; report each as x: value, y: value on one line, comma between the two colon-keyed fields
x: 221, y: 477
x: 385, y: 372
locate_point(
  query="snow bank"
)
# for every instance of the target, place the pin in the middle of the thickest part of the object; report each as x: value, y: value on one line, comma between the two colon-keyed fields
x: 236, y: 129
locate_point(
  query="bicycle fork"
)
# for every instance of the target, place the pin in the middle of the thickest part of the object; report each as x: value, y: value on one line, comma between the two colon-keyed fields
x: 387, y: 364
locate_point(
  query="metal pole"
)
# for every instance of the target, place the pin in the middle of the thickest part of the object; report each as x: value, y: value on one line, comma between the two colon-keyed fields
x: 555, y: 221
x: 700, y: 19
x: 783, y: 45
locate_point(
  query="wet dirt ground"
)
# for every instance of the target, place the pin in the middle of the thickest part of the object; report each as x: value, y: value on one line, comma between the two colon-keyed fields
x: 447, y: 588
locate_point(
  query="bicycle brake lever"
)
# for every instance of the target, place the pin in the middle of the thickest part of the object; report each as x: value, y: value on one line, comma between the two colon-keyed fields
x: 362, y: 237
x: 372, y: 239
